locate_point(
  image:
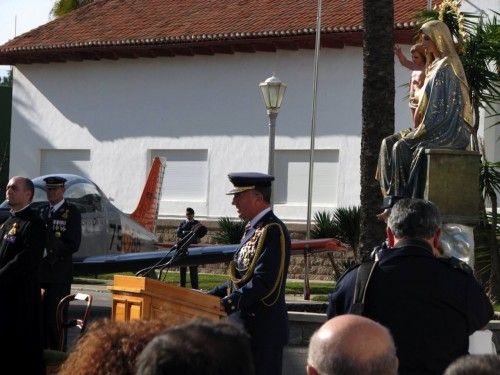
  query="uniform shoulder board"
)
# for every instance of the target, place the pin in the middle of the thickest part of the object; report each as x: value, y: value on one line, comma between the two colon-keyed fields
x: 457, y: 264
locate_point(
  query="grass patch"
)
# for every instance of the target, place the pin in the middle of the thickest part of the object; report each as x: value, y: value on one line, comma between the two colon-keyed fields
x: 297, y: 287
x: 209, y: 281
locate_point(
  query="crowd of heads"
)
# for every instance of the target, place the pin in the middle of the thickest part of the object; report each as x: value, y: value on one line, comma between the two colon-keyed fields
x: 161, y: 346
x: 197, y: 347
x: 111, y: 347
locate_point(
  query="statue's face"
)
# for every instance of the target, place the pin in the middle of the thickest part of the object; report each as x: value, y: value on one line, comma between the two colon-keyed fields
x: 417, y: 58
x: 429, y: 45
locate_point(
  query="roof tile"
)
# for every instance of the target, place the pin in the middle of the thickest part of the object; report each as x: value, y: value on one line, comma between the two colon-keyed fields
x: 139, y: 22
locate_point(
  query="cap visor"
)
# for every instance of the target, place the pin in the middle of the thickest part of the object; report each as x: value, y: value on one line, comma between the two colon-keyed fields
x: 239, y: 189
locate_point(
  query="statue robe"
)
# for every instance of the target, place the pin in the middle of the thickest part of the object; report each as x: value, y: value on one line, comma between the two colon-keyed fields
x: 401, y: 166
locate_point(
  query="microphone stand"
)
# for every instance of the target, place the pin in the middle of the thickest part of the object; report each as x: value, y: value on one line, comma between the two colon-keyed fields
x: 181, y: 243
x: 180, y: 251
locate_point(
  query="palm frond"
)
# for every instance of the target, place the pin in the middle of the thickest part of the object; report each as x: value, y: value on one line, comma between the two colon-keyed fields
x: 230, y: 232
x: 343, y: 224
x: 489, y: 178
x: 480, y: 60
x: 324, y: 226
x: 348, y: 221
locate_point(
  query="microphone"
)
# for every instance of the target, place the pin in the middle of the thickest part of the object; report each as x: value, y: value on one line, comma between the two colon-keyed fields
x: 197, y: 232
x: 180, y: 247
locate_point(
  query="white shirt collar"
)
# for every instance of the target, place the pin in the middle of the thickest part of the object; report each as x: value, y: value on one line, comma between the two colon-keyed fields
x: 57, y: 205
x: 20, y: 209
x: 259, y: 216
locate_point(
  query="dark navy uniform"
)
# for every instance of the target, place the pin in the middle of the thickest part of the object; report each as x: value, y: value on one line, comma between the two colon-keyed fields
x: 430, y: 305
x: 183, y: 229
x: 255, y: 296
x: 22, y: 238
x: 56, y: 270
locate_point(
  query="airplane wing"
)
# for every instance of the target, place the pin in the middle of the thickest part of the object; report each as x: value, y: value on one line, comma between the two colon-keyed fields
x: 133, y: 262
x: 197, y: 255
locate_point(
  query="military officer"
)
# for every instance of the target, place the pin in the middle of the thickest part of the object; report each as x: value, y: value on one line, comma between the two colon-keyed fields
x: 22, y: 238
x: 63, y: 222
x: 255, y: 294
x: 183, y: 229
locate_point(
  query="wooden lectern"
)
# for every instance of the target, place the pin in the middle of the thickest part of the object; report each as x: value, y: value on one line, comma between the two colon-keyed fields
x: 145, y: 298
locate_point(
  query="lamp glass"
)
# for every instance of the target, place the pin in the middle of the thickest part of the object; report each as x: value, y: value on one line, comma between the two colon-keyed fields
x: 273, y: 91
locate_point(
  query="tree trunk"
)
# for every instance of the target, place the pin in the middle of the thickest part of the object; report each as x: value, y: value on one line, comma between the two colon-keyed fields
x: 378, y: 112
x: 494, y: 281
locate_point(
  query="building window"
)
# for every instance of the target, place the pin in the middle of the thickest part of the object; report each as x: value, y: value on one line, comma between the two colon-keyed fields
x: 186, y: 175
x: 65, y: 161
x: 292, y: 177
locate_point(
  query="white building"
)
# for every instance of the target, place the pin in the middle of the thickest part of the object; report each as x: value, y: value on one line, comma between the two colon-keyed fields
x: 101, y: 91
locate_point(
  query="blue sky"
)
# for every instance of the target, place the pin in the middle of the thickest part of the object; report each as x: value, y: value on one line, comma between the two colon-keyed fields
x: 30, y: 14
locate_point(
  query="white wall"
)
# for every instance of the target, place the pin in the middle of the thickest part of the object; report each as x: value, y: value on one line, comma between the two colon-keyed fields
x: 123, y: 109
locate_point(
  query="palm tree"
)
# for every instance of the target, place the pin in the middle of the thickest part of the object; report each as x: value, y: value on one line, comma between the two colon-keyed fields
x: 4, y: 157
x: 344, y: 225
x: 489, y: 186
x: 377, y: 112
x: 61, y: 7
x: 480, y: 60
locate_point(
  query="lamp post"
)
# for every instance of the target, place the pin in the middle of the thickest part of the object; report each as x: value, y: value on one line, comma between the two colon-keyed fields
x: 273, y: 91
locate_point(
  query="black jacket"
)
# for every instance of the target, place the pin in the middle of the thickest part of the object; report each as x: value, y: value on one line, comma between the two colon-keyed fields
x: 185, y: 227
x: 64, y: 233
x: 430, y: 305
x: 22, y: 239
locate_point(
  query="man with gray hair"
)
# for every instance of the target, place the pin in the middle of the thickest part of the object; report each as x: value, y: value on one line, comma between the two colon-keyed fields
x: 352, y: 344
x: 430, y: 304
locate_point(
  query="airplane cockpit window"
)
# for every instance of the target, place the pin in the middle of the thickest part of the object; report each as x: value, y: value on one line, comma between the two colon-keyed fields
x: 83, y: 195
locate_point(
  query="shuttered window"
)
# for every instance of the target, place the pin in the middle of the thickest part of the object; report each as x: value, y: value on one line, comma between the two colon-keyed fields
x: 186, y: 175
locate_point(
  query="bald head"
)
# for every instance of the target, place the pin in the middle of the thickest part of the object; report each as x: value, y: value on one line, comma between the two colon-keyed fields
x: 19, y: 192
x: 350, y: 344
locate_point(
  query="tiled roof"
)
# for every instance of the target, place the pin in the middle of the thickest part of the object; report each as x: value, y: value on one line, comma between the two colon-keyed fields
x: 131, y: 28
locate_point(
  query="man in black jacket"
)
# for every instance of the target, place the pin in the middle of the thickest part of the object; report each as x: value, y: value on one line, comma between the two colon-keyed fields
x: 183, y: 230
x: 255, y: 296
x: 22, y: 238
x: 64, y: 232
x: 430, y: 304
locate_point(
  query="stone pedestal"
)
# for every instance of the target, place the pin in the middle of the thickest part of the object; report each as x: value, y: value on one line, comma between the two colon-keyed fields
x: 452, y: 183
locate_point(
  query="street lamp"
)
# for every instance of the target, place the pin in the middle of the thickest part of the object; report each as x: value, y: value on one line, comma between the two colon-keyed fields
x: 273, y: 91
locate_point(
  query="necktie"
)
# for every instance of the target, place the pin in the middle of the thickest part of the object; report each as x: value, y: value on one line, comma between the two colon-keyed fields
x: 247, y: 229
x: 51, y: 211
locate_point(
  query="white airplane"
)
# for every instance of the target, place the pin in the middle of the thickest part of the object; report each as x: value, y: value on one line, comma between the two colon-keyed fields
x: 113, y: 241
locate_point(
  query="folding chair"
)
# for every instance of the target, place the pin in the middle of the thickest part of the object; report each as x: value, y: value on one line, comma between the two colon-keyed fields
x: 63, y: 325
